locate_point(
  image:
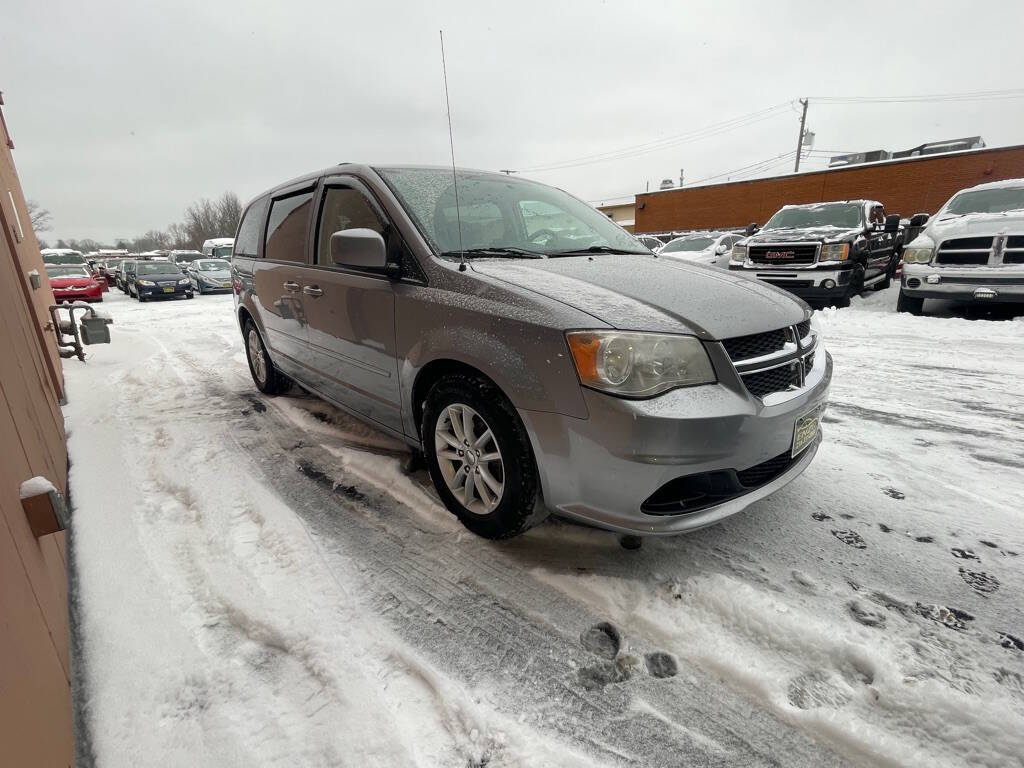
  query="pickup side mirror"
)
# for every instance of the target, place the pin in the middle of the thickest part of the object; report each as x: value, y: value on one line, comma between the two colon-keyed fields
x: 892, y: 223
x: 751, y: 229
x: 358, y: 247
x: 919, y: 219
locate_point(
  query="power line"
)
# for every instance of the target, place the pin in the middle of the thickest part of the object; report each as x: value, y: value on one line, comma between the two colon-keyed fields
x: 1008, y: 93
x: 671, y: 141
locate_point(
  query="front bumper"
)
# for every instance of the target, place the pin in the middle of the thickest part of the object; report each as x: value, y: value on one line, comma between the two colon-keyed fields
x: 805, y: 283
x: 987, y: 285
x: 214, y: 287
x: 601, y: 469
x: 64, y: 294
x: 158, y: 292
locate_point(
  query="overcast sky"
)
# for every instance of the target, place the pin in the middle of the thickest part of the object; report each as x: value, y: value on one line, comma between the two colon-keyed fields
x: 123, y: 113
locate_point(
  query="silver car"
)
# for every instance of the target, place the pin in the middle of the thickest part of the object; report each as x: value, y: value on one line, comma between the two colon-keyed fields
x: 536, y: 353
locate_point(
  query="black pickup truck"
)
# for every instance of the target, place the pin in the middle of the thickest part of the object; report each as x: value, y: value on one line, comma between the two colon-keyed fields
x: 825, y: 253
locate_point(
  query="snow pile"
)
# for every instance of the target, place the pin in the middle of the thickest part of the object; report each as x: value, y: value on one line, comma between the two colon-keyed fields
x: 36, y: 486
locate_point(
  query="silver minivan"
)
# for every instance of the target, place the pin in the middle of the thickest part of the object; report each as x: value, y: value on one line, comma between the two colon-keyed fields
x: 537, y: 354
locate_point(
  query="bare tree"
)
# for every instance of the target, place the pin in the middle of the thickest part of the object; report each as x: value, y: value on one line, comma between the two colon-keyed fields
x: 178, y: 235
x: 201, y: 222
x: 229, y: 212
x: 39, y: 216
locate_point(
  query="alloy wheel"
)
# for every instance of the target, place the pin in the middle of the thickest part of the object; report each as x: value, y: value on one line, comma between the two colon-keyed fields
x: 257, y: 356
x: 469, y: 458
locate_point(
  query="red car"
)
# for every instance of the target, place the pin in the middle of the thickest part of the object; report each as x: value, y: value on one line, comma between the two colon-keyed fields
x: 74, y: 282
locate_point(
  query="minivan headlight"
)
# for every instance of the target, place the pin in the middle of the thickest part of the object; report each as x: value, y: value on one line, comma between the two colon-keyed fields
x: 738, y: 255
x: 632, y: 364
x: 917, y: 255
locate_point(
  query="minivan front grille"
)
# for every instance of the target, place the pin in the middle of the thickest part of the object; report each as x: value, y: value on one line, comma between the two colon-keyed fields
x: 755, y: 345
x: 766, y: 471
x: 783, y: 254
x: 778, y: 379
x: 773, y: 361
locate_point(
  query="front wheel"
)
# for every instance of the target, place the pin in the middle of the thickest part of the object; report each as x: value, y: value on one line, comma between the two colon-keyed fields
x: 479, y: 457
x: 913, y: 305
x: 265, y: 375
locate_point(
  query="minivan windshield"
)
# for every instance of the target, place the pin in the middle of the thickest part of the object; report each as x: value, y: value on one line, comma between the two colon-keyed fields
x: 502, y: 216
x: 844, y: 215
x: 988, y: 201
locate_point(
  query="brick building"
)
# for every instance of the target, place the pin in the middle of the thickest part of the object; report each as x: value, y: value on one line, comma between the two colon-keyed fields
x: 913, y: 185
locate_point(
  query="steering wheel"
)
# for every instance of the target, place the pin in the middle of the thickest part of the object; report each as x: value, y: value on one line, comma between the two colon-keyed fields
x: 540, y: 233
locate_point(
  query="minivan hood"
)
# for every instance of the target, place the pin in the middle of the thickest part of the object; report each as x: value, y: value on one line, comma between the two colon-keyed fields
x: 645, y: 293
x: 811, y: 234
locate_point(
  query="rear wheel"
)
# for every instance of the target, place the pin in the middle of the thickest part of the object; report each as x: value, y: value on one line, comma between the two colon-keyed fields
x: 913, y: 305
x: 265, y: 375
x: 479, y: 457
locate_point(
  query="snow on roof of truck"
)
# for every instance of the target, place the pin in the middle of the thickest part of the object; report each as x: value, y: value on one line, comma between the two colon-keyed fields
x: 813, y: 206
x: 1004, y: 184
x: 215, y: 241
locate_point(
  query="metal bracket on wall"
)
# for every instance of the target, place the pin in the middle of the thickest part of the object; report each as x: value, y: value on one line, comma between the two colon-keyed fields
x: 72, y: 333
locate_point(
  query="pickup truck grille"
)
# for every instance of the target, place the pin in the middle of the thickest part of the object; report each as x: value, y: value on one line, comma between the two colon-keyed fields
x: 1014, y: 252
x: 773, y: 361
x: 783, y: 254
x: 965, y: 251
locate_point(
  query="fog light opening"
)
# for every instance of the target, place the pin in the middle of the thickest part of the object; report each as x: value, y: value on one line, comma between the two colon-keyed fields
x: 828, y: 285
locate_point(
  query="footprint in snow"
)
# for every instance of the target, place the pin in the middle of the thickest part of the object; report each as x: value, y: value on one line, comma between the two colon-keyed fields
x: 884, y: 528
x: 815, y: 689
x: 820, y: 517
x: 951, y: 618
x: 1009, y: 641
x: 893, y: 493
x: 865, y: 614
x: 605, y: 640
x: 851, y: 538
x: 924, y: 539
x: 964, y: 554
x: 602, y: 639
x: 979, y: 581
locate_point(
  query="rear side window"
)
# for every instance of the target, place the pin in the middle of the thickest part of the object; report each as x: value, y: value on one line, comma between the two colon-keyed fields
x: 248, y: 239
x: 286, y: 228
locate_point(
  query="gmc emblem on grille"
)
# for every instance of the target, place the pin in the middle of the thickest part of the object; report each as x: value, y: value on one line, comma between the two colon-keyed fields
x: 780, y: 255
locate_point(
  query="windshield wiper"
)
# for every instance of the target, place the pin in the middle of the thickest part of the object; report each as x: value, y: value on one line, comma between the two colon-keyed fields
x: 500, y: 252
x: 597, y: 249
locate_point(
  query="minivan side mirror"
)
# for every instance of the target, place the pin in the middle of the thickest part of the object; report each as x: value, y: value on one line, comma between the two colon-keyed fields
x: 919, y: 219
x: 892, y: 223
x: 358, y: 248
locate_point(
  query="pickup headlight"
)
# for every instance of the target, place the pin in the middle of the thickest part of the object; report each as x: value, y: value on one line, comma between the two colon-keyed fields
x: 146, y: 282
x: 917, y: 255
x: 738, y: 255
x: 835, y: 252
x: 634, y: 364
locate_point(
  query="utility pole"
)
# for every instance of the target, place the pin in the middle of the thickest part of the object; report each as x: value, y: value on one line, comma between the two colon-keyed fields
x: 800, y: 138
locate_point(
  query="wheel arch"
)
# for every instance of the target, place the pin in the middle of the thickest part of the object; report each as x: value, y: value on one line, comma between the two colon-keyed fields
x: 433, y: 372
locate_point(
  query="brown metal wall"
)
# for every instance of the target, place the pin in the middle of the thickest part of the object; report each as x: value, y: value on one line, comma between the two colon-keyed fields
x: 35, y: 708
x: 905, y: 187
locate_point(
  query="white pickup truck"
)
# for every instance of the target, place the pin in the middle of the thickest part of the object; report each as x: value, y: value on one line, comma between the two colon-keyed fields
x: 972, y: 250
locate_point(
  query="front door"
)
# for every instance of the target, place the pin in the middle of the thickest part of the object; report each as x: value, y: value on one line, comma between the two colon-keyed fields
x: 350, y: 313
x: 880, y: 244
x: 278, y: 275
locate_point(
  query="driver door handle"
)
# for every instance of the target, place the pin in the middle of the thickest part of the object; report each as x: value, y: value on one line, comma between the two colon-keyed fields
x: 291, y: 286
x: 313, y: 290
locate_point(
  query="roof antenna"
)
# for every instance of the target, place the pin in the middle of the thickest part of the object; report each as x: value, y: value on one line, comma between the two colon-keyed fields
x: 451, y: 142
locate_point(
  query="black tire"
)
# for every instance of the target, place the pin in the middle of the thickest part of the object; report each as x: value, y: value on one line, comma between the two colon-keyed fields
x: 139, y: 297
x: 520, y: 506
x: 913, y: 305
x: 200, y: 289
x: 274, y: 382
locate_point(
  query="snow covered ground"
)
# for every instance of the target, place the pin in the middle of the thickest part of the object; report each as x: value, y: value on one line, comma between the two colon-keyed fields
x: 260, y: 584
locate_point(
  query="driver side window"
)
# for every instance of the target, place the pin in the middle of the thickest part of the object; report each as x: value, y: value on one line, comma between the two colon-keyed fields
x: 343, y: 208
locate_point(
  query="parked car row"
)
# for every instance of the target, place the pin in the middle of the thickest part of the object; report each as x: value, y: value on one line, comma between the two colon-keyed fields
x: 162, y: 278
x: 971, y: 251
